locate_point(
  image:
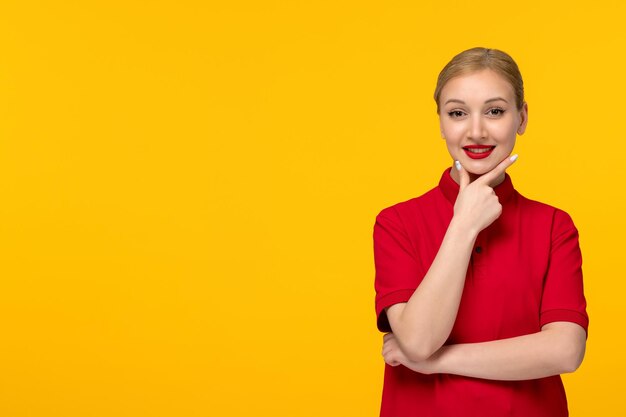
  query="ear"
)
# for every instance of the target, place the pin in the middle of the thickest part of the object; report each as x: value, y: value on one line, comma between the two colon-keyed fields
x: 523, y: 119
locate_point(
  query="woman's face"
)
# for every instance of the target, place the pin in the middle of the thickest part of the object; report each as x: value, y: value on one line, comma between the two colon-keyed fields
x: 479, y: 120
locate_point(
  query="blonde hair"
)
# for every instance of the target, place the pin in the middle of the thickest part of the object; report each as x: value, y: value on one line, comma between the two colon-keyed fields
x: 477, y: 59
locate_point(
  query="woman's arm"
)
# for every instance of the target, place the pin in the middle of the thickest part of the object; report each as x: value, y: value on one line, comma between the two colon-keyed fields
x: 423, y: 324
x: 558, y: 348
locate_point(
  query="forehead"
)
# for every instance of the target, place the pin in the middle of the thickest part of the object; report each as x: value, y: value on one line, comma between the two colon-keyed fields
x: 478, y: 86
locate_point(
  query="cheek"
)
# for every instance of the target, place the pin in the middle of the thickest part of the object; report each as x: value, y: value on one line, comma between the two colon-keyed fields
x: 453, y: 148
x: 453, y: 132
x: 504, y: 133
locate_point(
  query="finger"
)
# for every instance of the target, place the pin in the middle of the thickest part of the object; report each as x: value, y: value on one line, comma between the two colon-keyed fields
x: 464, y: 178
x: 389, y: 358
x: 386, y: 351
x: 387, y: 336
x: 492, y: 175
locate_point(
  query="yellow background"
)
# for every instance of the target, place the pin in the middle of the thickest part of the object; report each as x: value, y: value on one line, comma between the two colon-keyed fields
x: 189, y: 190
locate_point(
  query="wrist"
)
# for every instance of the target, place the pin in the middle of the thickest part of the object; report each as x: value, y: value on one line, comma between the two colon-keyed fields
x: 463, y: 230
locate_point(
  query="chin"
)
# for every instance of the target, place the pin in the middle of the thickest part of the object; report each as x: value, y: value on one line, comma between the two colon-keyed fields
x: 479, y: 168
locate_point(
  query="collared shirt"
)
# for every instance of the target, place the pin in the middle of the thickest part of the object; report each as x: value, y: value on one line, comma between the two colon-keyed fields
x: 525, y: 271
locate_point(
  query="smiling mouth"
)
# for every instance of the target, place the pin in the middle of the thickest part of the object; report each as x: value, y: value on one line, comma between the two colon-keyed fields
x: 478, y: 151
x: 478, y: 148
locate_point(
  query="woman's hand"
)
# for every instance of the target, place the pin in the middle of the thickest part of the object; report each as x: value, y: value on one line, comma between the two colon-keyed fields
x: 392, y: 353
x: 394, y: 356
x: 477, y: 204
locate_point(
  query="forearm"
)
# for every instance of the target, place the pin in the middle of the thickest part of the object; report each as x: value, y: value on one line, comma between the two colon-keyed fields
x: 424, y: 323
x: 537, y: 355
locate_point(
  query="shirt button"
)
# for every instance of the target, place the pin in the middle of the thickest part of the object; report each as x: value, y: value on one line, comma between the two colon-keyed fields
x: 478, y: 249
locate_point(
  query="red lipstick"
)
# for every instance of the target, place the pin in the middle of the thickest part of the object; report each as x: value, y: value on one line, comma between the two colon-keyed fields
x: 478, y: 151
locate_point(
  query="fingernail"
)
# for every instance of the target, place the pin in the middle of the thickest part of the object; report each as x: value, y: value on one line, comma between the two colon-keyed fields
x: 513, y: 158
x: 457, y: 164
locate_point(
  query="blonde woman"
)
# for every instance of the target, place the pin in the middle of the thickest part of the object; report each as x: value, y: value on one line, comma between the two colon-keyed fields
x: 478, y: 289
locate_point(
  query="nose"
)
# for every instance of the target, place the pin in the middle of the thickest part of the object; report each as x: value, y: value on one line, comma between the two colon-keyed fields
x: 477, y: 129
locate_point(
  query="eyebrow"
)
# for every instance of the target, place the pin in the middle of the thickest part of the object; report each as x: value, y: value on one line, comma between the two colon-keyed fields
x: 455, y: 100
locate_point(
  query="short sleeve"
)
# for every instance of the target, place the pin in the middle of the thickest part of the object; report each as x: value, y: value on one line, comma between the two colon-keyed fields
x: 397, y: 271
x: 563, y: 296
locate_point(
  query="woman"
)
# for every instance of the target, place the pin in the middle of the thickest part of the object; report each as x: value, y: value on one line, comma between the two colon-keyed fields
x: 478, y: 289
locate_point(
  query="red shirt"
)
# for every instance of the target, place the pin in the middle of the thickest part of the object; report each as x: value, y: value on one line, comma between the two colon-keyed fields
x: 524, y: 272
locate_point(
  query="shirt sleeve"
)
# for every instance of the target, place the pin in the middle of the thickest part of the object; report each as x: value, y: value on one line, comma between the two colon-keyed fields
x: 397, y: 271
x: 563, y: 294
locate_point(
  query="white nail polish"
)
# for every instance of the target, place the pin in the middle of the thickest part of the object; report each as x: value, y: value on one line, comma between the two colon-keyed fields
x: 457, y: 164
x: 514, y: 158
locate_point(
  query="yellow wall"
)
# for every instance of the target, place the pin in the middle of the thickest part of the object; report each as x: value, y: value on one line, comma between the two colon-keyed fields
x: 188, y: 192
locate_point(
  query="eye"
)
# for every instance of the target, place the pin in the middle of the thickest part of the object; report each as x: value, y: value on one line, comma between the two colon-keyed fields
x: 496, y: 111
x: 455, y: 113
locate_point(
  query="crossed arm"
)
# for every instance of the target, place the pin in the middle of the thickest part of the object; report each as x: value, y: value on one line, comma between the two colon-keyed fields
x: 558, y: 348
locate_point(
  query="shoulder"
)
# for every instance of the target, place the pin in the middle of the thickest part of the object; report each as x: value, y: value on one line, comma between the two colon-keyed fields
x: 409, y: 208
x: 559, y: 219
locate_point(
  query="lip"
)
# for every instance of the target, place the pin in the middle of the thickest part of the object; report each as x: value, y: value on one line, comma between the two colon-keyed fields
x: 470, y: 151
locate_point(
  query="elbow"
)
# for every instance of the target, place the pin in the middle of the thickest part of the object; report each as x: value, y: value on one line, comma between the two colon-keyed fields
x: 570, y: 366
x: 567, y: 345
x: 419, y: 351
x: 417, y: 355
x: 573, y: 358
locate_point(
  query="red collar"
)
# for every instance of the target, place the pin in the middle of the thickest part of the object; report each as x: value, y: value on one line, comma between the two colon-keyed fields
x: 450, y: 188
